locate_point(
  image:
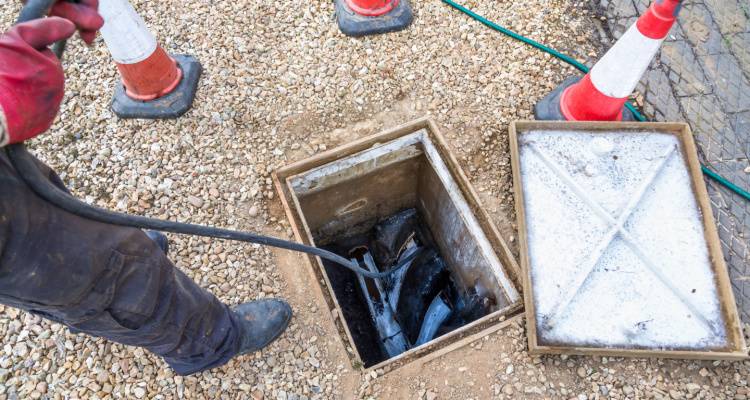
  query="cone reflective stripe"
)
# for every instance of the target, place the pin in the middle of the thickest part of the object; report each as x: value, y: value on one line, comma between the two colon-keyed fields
x: 602, y: 93
x: 147, y: 71
x: 372, y: 8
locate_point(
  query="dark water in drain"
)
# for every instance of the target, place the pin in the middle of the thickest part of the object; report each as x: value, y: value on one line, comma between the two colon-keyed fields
x: 427, y: 277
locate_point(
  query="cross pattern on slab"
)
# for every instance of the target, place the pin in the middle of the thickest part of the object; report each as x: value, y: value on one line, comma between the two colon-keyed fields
x: 616, y: 228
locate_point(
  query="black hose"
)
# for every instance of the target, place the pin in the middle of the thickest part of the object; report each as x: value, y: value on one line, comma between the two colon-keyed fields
x: 34, y: 9
x: 28, y: 170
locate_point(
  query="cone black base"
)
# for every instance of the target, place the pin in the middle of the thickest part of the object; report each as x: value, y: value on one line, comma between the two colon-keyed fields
x: 170, y: 106
x: 548, y: 108
x: 353, y: 24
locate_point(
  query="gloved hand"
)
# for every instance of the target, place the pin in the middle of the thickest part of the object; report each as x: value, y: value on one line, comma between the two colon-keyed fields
x: 31, y: 78
x: 83, y: 13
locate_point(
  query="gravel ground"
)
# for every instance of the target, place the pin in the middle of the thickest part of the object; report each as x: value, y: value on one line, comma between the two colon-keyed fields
x: 280, y: 84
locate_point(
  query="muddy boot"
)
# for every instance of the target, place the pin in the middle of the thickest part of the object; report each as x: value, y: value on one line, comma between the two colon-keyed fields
x: 160, y: 239
x: 262, y: 321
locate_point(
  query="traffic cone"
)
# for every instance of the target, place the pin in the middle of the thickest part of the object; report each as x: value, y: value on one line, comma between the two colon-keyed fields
x: 154, y: 84
x: 369, y: 17
x: 602, y: 93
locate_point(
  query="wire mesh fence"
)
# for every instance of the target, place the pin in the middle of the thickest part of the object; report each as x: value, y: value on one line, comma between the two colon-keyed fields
x: 702, y: 77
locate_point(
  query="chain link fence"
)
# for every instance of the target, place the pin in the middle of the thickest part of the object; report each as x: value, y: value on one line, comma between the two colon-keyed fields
x: 702, y: 76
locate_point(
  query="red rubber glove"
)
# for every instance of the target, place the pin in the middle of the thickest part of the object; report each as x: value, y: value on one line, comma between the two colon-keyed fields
x: 82, y: 13
x: 31, y: 78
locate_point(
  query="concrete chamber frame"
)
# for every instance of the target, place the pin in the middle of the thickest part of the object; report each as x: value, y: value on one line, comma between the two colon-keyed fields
x: 348, y: 189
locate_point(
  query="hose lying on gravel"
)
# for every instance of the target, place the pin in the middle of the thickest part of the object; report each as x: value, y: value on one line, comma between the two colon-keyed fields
x: 581, y: 67
x: 27, y: 169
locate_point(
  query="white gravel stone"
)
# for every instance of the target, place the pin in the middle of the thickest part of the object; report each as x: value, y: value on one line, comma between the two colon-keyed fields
x: 281, y: 84
x: 139, y: 392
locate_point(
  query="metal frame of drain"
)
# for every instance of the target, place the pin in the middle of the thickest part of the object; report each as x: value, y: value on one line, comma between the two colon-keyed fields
x: 473, y: 331
x: 615, y: 229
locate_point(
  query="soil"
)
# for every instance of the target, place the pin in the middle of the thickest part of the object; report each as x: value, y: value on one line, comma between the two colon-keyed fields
x: 497, y: 366
x: 280, y: 84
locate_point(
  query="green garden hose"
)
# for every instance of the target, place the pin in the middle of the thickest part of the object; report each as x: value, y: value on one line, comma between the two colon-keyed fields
x: 581, y: 67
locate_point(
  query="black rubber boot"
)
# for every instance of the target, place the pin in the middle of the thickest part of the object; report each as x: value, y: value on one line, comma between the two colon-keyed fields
x: 160, y: 239
x: 262, y: 321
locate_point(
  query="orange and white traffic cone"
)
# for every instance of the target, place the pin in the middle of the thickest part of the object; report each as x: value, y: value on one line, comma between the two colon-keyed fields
x: 154, y: 84
x: 602, y: 93
x: 369, y: 17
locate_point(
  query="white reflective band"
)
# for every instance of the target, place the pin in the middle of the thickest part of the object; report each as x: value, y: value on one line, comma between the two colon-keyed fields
x: 4, y: 136
x: 127, y: 37
x: 619, y: 71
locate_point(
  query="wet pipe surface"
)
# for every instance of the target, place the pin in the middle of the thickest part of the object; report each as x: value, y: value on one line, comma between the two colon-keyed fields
x: 427, y: 280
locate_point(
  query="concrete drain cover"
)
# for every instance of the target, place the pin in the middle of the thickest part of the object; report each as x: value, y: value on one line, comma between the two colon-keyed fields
x: 619, y: 245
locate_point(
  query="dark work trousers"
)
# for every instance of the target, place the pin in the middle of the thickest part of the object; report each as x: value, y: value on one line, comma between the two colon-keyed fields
x: 106, y: 281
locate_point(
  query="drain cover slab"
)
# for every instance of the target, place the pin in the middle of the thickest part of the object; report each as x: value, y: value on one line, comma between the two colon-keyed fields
x: 615, y: 243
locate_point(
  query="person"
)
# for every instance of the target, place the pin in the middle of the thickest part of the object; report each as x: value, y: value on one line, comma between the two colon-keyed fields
x: 99, y: 279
